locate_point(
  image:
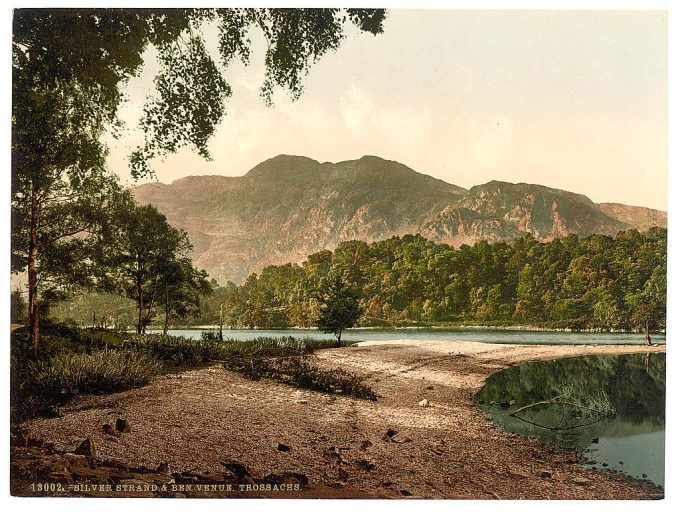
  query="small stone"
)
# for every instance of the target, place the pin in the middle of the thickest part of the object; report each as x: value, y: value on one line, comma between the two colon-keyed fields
x: 404, y: 492
x: 108, y: 428
x: 122, y: 425
x: 400, y: 438
x: 87, y: 448
x: 436, y: 449
x: 387, y: 436
x: 429, y: 388
x: 74, y: 460
x: 239, y: 470
x: 596, y: 440
x: 290, y: 477
x: 579, y: 480
x: 546, y: 474
x: 60, y: 475
x: 366, y: 444
x: 283, y: 447
x: 424, y: 403
x: 364, y: 464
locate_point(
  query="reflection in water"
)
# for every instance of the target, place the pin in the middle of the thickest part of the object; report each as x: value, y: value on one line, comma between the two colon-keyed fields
x: 612, y: 406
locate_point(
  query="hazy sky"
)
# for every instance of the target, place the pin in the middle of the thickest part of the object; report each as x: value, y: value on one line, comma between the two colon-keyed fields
x: 568, y: 99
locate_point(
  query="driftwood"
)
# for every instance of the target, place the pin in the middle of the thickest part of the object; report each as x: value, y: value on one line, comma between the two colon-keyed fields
x: 555, y: 401
x: 558, y: 400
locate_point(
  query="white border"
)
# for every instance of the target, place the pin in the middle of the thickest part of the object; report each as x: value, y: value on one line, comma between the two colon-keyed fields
x: 671, y: 488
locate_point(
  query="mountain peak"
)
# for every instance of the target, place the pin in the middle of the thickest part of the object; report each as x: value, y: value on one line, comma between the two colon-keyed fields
x: 289, y: 206
x: 282, y: 167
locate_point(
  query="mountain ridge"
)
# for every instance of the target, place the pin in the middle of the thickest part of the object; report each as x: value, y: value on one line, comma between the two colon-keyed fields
x: 288, y: 206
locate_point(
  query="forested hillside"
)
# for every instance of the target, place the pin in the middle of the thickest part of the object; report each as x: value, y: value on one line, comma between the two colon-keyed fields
x: 596, y: 282
x: 599, y: 282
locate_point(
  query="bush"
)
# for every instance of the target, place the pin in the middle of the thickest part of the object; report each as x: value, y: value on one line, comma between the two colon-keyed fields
x: 38, y: 387
x: 298, y: 372
x: 178, y: 350
x: 59, y: 337
x: 73, y: 361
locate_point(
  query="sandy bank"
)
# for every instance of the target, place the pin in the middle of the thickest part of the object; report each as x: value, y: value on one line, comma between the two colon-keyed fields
x: 202, y: 417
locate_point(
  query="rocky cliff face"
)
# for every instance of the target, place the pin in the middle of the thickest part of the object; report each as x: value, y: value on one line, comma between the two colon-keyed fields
x: 637, y: 216
x: 288, y: 207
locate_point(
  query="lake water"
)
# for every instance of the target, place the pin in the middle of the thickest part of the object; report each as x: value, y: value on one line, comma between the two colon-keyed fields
x: 462, y: 334
x: 612, y: 407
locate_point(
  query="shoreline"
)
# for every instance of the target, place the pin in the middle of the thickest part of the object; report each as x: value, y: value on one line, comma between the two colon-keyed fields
x: 389, y: 448
x: 521, y: 328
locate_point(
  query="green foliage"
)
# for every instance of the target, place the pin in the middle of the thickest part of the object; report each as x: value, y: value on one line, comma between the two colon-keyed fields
x: 177, y: 350
x: 597, y: 282
x: 18, y: 312
x: 107, y: 310
x: 40, y: 386
x: 69, y: 67
x: 300, y: 373
x: 146, y: 259
x: 339, y: 309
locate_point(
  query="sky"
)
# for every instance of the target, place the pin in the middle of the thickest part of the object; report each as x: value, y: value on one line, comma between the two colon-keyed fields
x: 569, y: 99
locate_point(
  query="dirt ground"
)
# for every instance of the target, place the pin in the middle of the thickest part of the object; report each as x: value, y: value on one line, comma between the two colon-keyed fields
x: 393, y: 447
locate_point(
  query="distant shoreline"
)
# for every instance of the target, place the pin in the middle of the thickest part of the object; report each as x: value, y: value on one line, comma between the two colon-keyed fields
x: 526, y: 328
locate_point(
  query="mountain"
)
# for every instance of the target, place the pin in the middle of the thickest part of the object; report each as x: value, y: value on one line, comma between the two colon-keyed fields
x: 288, y: 207
x: 641, y: 218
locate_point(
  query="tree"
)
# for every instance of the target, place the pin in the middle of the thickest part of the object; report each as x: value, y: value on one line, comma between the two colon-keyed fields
x: 68, y: 70
x: 143, y: 254
x: 649, y: 306
x: 339, y: 309
x: 181, y: 287
x: 18, y: 307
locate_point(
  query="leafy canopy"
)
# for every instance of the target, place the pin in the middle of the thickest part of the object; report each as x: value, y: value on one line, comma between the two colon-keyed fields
x: 89, y: 54
x: 339, y: 309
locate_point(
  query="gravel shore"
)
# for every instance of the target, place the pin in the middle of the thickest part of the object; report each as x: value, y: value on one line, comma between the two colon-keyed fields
x: 394, y: 447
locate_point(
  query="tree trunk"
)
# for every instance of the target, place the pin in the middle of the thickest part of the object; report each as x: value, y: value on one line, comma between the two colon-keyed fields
x: 647, y: 336
x: 165, y: 321
x: 339, y: 343
x: 221, y: 321
x: 34, y: 329
x: 140, y: 308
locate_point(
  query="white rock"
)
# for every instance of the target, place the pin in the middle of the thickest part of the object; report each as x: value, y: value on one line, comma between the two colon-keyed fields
x: 424, y: 403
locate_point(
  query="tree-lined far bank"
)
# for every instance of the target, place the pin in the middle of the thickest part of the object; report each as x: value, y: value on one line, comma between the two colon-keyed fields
x: 597, y: 282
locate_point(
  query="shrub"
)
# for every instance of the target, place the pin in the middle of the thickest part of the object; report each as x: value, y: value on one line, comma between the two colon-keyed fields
x: 38, y: 387
x: 178, y: 350
x: 297, y: 371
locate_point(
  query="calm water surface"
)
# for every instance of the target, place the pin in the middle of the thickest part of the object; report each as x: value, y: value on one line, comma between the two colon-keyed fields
x: 612, y: 407
x: 462, y: 334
